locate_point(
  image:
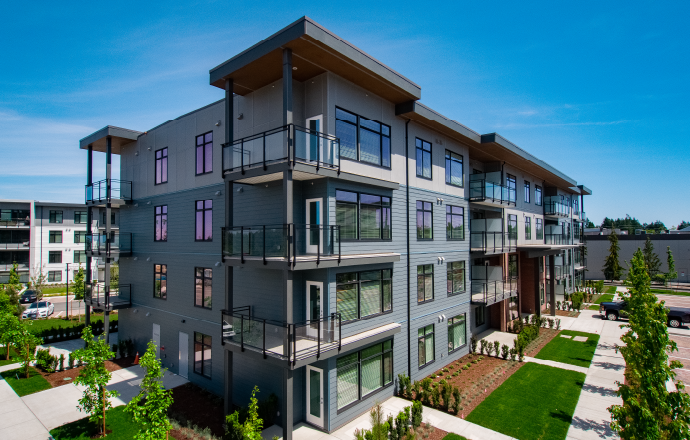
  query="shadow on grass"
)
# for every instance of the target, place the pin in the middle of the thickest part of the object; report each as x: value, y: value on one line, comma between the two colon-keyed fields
x: 81, y: 429
x: 561, y: 415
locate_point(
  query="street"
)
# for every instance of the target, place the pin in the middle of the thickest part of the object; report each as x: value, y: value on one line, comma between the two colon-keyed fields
x: 75, y: 307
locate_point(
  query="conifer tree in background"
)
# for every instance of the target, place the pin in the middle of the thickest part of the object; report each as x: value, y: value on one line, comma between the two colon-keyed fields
x: 651, y: 259
x: 672, y: 273
x: 612, y: 267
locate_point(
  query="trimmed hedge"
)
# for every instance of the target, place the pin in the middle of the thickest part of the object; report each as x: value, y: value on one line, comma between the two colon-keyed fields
x: 61, y: 330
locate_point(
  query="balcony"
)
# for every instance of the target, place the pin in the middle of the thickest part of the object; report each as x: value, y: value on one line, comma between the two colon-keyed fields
x: 9, y: 222
x: 557, y: 239
x: 555, y: 208
x: 119, y: 296
x: 491, y: 243
x: 102, y: 244
x: 293, y: 345
x: 24, y: 245
x: 559, y: 272
x: 21, y: 265
x: 484, y: 190
x: 276, y: 150
x: 493, y: 291
x: 119, y: 193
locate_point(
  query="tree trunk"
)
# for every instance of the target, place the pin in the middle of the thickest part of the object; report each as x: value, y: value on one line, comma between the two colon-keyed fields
x: 8, y: 347
x: 103, y: 394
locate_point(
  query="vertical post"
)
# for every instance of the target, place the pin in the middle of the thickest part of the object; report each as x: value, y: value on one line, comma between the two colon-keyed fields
x: 229, y: 198
x: 89, y: 225
x: 264, y: 243
x: 552, y: 283
x: 264, y: 335
x: 318, y: 336
x: 67, y: 292
x: 108, y: 229
x: 287, y: 413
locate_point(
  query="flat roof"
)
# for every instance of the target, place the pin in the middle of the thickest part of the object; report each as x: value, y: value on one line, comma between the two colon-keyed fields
x: 120, y: 136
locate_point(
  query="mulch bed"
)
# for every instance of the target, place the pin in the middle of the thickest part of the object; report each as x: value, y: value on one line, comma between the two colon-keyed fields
x: 572, y: 314
x: 194, y: 405
x: 433, y: 433
x: 58, y: 378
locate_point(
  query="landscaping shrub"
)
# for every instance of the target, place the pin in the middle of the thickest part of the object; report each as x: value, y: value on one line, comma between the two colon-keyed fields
x: 558, y: 324
x: 513, y: 353
x: 551, y: 323
x: 403, y: 385
x: 416, y: 387
x: 482, y: 346
x: 504, y: 351
x: 417, y: 409
x: 70, y: 362
x: 61, y: 363
x: 558, y: 305
x: 577, y: 300
x: 402, y: 421
x: 599, y: 286
x: 456, y: 400
x: 497, y: 346
x: 46, y: 361
x: 473, y: 343
x: 447, y: 392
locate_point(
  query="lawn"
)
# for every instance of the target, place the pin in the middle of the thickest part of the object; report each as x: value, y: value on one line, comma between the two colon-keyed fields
x: 611, y: 290
x: 453, y: 436
x: 593, y: 307
x: 13, y: 357
x: 670, y: 292
x: 604, y: 298
x: 569, y: 351
x: 24, y: 386
x: 536, y: 402
x: 53, y: 290
x: 117, y: 422
x: 39, y: 325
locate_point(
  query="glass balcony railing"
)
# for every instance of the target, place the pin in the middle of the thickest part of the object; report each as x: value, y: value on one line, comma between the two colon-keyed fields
x: 119, y: 296
x: 491, y: 292
x: 101, y: 192
x: 557, y: 239
x: 104, y: 244
x: 556, y: 209
x: 287, y: 143
x: 14, y: 222
x: 493, y: 242
x: 482, y: 190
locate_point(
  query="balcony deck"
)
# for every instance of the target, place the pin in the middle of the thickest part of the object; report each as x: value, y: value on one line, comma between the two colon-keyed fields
x: 119, y: 297
x: 97, y: 245
x: 116, y: 192
x: 493, y: 291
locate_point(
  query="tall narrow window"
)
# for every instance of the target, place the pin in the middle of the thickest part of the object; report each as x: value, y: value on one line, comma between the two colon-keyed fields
x: 80, y: 217
x: 457, y: 332
x: 425, y: 345
x: 204, y: 220
x: 363, y: 139
x: 55, y: 217
x: 512, y: 226
x: 202, y: 354
x: 511, y: 183
x: 540, y: 229
x: 161, y: 223
x: 54, y: 256
x: 455, y: 272
x: 204, y: 153
x: 424, y: 221
x: 346, y: 216
x: 527, y: 191
x: 512, y: 265
x: 162, y: 165
x: 425, y: 283
x: 537, y: 195
x: 423, y: 158
x: 80, y: 256
x: 203, y: 282
x: 160, y: 281
x: 55, y: 237
x: 454, y: 171
x: 455, y: 222
x: 80, y: 237
x: 362, y: 294
x: 528, y: 228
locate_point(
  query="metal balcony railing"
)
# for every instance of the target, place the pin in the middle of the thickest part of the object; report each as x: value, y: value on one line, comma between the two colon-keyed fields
x: 281, y: 241
x: 18, y: 245
x: 557, y: 239
x: 119, y: 190
x: 557, y: 209
x: 119, y: 296
x: 491, y: 292
x: 493, y: 242
x: 287, y: 143
x: 10, y: 222
x: 21, y: 265
x: 289, y: 342
x: 481, y: 190
x: 559, y: 272
x: 104, y: 244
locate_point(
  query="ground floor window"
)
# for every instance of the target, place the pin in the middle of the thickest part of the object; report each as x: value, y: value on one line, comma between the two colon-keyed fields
x: 479, y: 317
x: 513, y: 310
x: 425, y: 344
x: 457, y: 332
x: 359, y: 374
x: 54, y: 276
x: 202, y: 354
x: 541, y: 293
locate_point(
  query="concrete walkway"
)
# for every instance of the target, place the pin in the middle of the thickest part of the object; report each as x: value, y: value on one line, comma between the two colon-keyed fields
x: 17, y: 421
x: 560, y: 365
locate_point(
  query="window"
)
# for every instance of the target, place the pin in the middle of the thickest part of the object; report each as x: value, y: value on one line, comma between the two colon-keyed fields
x: 55, y: 257
x: 512, y: 225
x: 511, y: 183
x: 540, y: 229
x: 455, y: 272
x: 79, y: 236
x: 80, y: 256
x: 371, y: 214
x: 112, y: 218
x: 479, y: 313
x: 454, y: 172
x: 362, y: 294
x: 55, y: 237
x: 81, y: 217
x: 162, y: 164
x: 55, y: 217
x: 54, y: 276
x: 160, y: 281
x: 512, y: 265
x: 425, y: 230
x: 457, y: 332
x: 203, y: 281
x: 202, y: 354
x: 537, y: 195
x: 527, y: 191
x: 423, y: 158
x: 425, y: 344
x: 360, y: 374
x: 204, y: 154
x: 363, y: 139
x: 425, y: 283
x: 528, y: 228
x: 204, y: 220
x: 161, y: 223
x: 455, y: 223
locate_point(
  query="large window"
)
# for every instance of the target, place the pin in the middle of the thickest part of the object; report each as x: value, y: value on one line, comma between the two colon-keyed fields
x: 54, y: 276
x: 537, y: 195
x: 425, y: 283
x: 204, y: 153
x: 528, y: 228
x: 204, y: 220
x: 359, y: 374
x: 511, y: 183
x: 55, y: 217
x: 512, y: 225
x: 161, y: 223
x: 162, y: 163
x: 160, y: 280
x: 454, y: 172
x: 80, y: 256
x: 423, y: 158
x: 81, y: 217
x: 455, y: 222
x: 425, y: 344
x: 362, y: 294
x: 457, y: 332
x: 527, y: 191
x: 455, y: 272
x: 55, y: 237
x: 79, y: 236
x: 203, y: 282
x: 363, y: 139
x: 202, y: 354
x: 512, y: 265
x: 112, y: 218
x: 425, y: 229
x: 55, y: 257
x: 540, y: 229
x: 362, y: 216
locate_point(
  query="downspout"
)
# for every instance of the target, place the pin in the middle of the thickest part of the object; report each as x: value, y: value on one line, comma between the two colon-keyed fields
x: 407, y: 204
x: 40, y: 239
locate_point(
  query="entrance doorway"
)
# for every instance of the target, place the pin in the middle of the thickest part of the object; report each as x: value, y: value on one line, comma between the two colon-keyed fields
x: 314, y: 225
x: 315, y: 143
x: 315, y: 396
x: 314, y: 306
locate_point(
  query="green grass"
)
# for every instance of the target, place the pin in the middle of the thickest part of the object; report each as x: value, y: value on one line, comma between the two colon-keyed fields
x: 593, y: 307
x: 610, y: 289
x: 569, y: 351
x: 38, y: 325
x: 117, y: 421
x: 453, y: 436
x: 24, y: 386
x: 13, y: 357
x: 52, y: 290
x: 604, y: 298
x: 670, y: 292
x: 525, y: 406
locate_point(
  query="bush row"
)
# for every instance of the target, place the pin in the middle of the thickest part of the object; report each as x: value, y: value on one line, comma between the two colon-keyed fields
x: 57, y: 333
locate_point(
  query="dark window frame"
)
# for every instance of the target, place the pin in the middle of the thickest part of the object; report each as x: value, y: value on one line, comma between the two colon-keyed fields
x: 358, y: 205
x: 420, y: 153
x: 423, y: 210
x: 159, y: 165
x: 425, y: 275
x: 203, y: 278
x: 53, y: 236
x: 80, y: 237
x: 511, y: 183
x: 450, y: 277
x: 452, y: 323
x: 528, y: 228
x: 53, y: 217
x: 52, y: 256
x: 358, y: 282
x: 424, y: 336
x: 79, y: 260
x: 539, y: 227
x: 163, y: 271
x: 512, y: 226
x: 449, y: 221
x: 203, y: 345
x: 52, y: 276
x: 203, y: 153
x: 79, y: 216
x: 538, y: 195
x: 450, y: 160
x: 358, y: 127
x: 528, y: 191
x: 204, y: 211
x: 163, y: 216
x: 385, y: 352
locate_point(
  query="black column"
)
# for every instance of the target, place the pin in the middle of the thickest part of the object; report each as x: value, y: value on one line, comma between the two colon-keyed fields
x: 229, y: 274
x: 108, y: 189
x: 89, y: 225
x: 552, y: 283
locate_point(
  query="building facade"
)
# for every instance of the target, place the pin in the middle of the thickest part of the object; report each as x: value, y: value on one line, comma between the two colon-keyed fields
x: 319, y: 231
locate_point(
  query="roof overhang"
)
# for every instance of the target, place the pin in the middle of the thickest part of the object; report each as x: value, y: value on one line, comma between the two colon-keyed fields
x: 119, y: 136
x: 584, y: 190
x: 424, y: 115
x: 315, y: 50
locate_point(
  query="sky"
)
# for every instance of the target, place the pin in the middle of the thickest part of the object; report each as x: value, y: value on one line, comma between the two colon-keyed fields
x: 597, y: 89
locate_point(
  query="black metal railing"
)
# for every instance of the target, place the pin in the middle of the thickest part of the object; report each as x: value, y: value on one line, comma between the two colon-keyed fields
x: 481, y: 190
x: 290, y: 342
x: 281, y: 241
x: 493, y: 242
x: 118, y: 296
x: 287, y: 143
x: 557, y: 209
x: 99, y: 191
x: 493, y: 291
x: 105, y: 244
x: 8, y: 222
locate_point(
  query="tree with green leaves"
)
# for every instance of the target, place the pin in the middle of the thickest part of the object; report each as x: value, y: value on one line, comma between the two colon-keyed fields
x: 38, y: 282
x: 651, y: 259
x: 26, y: 342
x: 683, y: 225
x: 612, y: 267
x: 649, y: 410
x: 11, y: 290
x: 114, y: 275
x: 671, y: 263
x: 10, y: 326
x: 251, y: 428
x: 94, y: 376
x: 589, y: 224
x: 150, y: 407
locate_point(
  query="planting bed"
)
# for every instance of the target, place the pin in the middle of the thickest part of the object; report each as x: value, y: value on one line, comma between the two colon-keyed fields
x: 195, y: 406
x: 58, y: 378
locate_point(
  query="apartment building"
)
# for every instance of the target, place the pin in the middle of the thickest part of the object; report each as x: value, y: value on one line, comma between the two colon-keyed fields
x: 319, y: 231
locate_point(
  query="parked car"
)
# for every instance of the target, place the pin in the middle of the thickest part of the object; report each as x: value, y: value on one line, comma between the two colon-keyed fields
x: 677, y: 316
x: 28, y: 296
x: 40, y: 309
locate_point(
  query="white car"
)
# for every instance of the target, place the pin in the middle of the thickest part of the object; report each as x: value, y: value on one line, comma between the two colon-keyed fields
x: 40, y: 309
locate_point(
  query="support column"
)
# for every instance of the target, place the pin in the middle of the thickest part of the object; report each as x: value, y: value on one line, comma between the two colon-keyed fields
x: 552, y: 283
x: 287, y: 86
x: 108, y: 227
x: 287, y: 414
x: 537, y: 286
x: 229, y: 274
x: 89, y: 227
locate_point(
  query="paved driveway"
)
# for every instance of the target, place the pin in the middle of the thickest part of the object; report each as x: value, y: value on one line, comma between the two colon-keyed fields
x: 682, y: 338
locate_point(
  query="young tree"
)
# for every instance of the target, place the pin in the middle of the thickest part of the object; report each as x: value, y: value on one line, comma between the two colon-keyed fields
x: 150, y: 407
x: 94, y: 376
x: 612, y: 267
x: 651, y: 259
x: 672, y: 273
x: 114, y: 275
x: 12, y: 289
x: 649, y: 411
x: 27, y: 343
x: 38, y: 282
x: 10, y: 326
x: 251, y: 428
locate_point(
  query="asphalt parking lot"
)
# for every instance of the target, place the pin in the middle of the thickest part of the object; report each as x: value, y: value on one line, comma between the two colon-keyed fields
x: 682, y: 338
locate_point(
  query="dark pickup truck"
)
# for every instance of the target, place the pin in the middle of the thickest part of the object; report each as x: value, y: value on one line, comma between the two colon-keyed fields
x: 613, y: 310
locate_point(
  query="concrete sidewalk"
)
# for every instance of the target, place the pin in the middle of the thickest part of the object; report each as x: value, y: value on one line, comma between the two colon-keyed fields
x: 17, y: 421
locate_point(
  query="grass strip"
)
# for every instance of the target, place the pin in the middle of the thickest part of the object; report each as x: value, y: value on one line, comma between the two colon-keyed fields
x: 23, y: 386
x: 453, y: 436
x: 670, y: 292
x: 118, y: 423
x: 570, y: 351
x: 14, y: 357
x: 610, y: 289
x: 604, y: 298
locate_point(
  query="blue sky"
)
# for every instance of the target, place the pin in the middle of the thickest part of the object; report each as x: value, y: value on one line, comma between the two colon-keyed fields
x: 597, y: 89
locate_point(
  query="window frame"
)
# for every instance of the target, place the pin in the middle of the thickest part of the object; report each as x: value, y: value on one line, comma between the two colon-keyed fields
x: 384, y: 353
x: 528, y: 191
x: 163, y: 216
x: 454, y: 324
x: 203, y: 210
x: 449, y: 162
x: 53, y: 236
x: 358, y: 282
x: 51, y: 276
x: 204, y: 287
x: 358, y: 127
x: 425, y: 336
x: 163, y: 270
x: 539, y: 227
x: 449, y: 229
x: 511, y: 183
x: 76, y: 260
x: 203, y: 153
x: 425, y: 275
x: 79, y: 237
x: 81, y: 215
x: 423, y: 211
x: 420, y: 152
x: 450, y: 277
x: 202, y: 351
x: 528, y: 228
x: 509, y: 225
x: 53, y: 216
x: 52, y: 255
x: 159, y: 163
x: 538, y: 195
x: 358, y: 206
